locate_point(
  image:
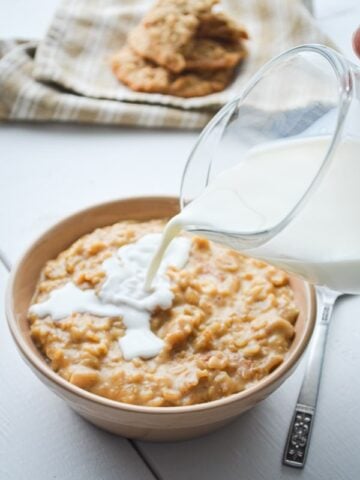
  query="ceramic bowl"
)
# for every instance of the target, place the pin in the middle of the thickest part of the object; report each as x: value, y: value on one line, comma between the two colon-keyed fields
x: 141, y: 422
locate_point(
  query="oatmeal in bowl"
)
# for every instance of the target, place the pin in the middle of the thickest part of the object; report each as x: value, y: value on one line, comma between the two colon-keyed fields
x: 231, y: 331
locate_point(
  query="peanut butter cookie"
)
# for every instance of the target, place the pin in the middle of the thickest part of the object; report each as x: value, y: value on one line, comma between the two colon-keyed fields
x: 166, y: 29
x: 209, y: 54
x: 220, y: 26
x: 144, y: 76
x: 200, y: 83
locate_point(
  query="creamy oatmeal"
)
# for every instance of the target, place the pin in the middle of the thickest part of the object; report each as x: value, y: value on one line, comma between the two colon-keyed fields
x: 230, y: 325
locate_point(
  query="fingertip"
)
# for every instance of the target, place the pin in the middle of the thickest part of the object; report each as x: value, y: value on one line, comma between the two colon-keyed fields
x: 356, y: 41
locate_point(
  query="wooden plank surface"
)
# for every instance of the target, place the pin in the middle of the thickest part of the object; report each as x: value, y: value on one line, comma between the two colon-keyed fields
x: 49, y: 171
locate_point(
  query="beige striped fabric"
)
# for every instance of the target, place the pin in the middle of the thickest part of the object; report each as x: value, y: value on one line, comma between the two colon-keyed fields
x: 67, y: 77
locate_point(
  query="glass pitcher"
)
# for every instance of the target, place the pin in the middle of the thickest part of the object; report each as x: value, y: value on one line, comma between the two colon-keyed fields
x: 304, y: 102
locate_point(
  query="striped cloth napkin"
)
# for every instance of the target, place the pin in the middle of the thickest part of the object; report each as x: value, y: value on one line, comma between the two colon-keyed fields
x: 67, y: 76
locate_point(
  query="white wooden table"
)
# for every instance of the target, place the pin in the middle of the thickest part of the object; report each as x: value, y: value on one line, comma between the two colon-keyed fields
x: 40, y: 438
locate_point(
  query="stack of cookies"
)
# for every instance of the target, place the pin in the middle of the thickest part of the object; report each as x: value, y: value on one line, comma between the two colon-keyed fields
x: 182, y: 48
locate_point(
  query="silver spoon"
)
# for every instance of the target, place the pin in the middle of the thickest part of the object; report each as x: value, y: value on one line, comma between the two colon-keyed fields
x: 298, y: 439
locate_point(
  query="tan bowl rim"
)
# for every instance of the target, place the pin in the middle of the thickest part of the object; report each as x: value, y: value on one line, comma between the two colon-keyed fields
x: 56, y: 379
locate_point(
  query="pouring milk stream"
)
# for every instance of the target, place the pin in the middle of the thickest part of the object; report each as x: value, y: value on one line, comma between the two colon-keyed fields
x: 321, y: 243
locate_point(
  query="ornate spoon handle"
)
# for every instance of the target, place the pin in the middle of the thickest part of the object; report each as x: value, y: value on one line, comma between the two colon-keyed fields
x: 298, y: 440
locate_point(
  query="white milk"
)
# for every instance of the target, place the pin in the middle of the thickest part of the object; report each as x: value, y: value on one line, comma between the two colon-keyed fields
x: 123, y: 294
x: 321, y: 243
